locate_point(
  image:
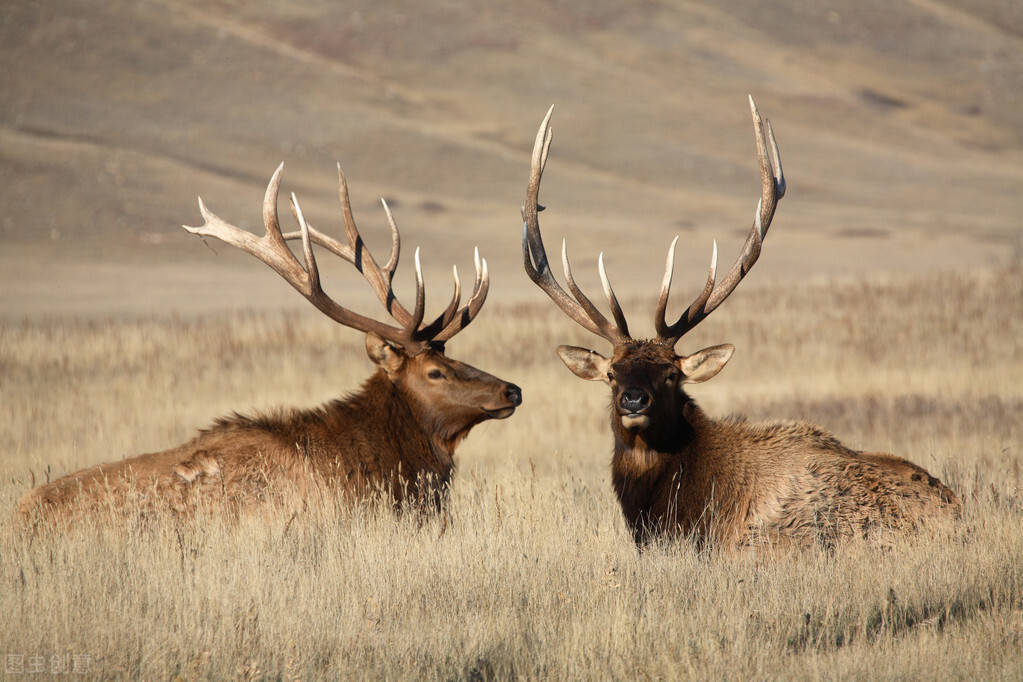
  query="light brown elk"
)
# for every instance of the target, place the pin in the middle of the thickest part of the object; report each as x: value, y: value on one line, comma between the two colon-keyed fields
x: 396, y: 435
x: 725, y: 483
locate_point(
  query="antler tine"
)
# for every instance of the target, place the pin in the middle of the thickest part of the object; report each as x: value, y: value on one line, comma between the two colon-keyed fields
x: 772, y: 190
x: 364, y: 262
x: 468, y: 312
x: 662, y: 301
x: 392, y: 261
x: 442, y: 320
x: 412, y: 327
x: 324, y: 240
x: 663, y: 329
x: 456, y: 297
x: 270, y: 219
x: 779, y: 174
x: 530, y: 221
x: 612, y: 300
x: 346, y: 210
x: 312, y: 271
x: 607, y: 330
x: 272, y: 249
x: 480, y: 271
x: 580, y: 309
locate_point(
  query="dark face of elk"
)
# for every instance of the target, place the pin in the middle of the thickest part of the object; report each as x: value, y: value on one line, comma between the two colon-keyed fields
x: 645, y: 384
x: 449, y: 390
x: 646, y: 378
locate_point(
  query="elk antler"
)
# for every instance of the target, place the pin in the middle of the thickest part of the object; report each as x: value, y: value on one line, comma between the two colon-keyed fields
x: 773, y: 189
x: 580, y: 309
x: 272, y: 249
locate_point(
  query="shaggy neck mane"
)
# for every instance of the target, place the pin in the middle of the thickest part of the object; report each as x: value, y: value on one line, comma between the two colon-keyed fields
x: 444, y: 431
x: 404, y: 414
x: 402, y: 411
x: 648, y: 462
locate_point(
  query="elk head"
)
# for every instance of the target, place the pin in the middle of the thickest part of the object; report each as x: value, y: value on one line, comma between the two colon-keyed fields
x: 411, y: 353
x: 450, y: 397
x: 647, y: 376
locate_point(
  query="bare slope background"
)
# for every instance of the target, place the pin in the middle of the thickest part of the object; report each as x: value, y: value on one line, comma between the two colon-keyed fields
x: 901, y: 130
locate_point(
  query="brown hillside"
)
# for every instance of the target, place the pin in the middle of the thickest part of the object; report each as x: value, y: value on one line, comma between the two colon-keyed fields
x: 901, y: 129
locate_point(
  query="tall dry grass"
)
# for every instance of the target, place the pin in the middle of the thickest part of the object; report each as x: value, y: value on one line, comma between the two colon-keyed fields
x: 534, y: 575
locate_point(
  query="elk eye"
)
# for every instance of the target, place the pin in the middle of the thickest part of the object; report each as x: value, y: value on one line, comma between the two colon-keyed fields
x: 610, y: 376
x: 436, y: 374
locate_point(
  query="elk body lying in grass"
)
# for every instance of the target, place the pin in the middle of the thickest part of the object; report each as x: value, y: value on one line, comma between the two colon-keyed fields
x: 396, y: 435
x: 729, y: 483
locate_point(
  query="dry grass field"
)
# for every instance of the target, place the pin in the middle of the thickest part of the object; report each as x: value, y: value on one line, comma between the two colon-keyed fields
x: 534, y: 575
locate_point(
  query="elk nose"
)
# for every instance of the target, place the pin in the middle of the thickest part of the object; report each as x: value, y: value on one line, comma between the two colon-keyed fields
x: 634, y: 400
x: 514, y: 394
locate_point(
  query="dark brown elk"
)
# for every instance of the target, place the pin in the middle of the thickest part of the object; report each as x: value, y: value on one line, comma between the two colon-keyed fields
x: 725, y: 483
x: 397, y: 435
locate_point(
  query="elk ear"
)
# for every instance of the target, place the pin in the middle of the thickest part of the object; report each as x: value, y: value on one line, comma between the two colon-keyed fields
x: 383, y: 354
x: 704, y: 364
x: 585, y: 363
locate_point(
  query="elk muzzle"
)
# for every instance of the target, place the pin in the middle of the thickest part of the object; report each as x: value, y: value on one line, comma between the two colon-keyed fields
x: 633, y: 405
x: 513, y: 395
